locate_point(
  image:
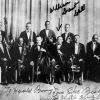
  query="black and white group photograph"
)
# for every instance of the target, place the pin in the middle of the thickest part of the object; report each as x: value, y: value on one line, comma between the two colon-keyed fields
x: 49, y: 49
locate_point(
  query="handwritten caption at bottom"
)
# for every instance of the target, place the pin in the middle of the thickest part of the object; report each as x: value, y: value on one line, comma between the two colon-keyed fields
x: 55, y: 93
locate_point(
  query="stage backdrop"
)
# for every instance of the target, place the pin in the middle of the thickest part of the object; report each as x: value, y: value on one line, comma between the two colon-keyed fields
x: 82, y: 15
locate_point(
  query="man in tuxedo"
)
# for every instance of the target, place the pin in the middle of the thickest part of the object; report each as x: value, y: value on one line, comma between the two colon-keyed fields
x: 28, y: 36
x: 47, y: 32
x: 4, y: 61
x: 20, y: 56
x: 67, y: 34
x: 37, y: 55
x: 93, y: 58
x: 78, y: 55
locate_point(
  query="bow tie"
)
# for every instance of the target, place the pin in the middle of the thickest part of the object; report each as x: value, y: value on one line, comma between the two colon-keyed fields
x: 20, y: 46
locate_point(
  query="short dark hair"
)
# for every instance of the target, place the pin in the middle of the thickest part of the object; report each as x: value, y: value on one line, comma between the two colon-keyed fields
x: 76, y: 35
x: 94, y: 36
x: 67, y: 24
x: 59, y: 37
x: 28, y: 23
x: 38, y: 36
x: 46, y: 21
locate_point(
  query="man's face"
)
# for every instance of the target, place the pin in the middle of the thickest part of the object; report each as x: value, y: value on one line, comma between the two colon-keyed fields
x: 21, y: 41
x: 28, y: 27
x: 95, y: 38
x: 39, y: 40
x: 67, y: 27
x: 77, y: 39
x: 60, y: 40
x: 0, y: 26
x: 47, y: 25
x: 69, y: 40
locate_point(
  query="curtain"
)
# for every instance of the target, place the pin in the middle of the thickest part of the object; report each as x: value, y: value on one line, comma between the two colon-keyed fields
x: 19, y: 12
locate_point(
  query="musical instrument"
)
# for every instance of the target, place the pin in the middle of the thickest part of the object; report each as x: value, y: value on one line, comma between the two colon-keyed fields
x: 0, y: 74
x: 21, y: 66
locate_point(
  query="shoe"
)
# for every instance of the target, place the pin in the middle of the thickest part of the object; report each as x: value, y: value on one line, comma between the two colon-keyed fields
x: 51, y: 83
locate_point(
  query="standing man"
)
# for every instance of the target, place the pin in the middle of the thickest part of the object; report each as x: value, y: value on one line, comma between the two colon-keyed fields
x: 67, y: 34
x: 93, y: 58
x: 47, y: 32
x: 28, y: 36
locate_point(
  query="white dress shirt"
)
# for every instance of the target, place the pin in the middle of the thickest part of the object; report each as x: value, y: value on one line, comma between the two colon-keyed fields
x: 28, y: 34
x: 20, y: 49
x: 1, y: 47
x: 94, y: 46
x: 47, y: 32
x: 76, y: 48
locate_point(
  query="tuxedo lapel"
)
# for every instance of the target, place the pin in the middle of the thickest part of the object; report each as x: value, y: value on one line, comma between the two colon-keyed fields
x: 1, y: 51
x: 26, y: 35
x: 45, y: 33
x: 64, y: 37
x: 96, y: 46
x: 91, y: 46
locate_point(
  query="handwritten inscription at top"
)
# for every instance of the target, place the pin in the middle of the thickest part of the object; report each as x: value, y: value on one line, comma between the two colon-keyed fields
x: 58, y: 6
x: 65, y: 10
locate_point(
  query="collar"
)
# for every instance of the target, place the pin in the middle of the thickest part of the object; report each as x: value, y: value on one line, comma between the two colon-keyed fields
x: 27, y: 31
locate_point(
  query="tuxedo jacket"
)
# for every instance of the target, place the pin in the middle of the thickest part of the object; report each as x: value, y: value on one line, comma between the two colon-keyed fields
x: 34, y: 53
x: 50, y: 34
x: 81, y: 51
x: 69, y: 50
x: 3, y: 54
x: 3, y: 35
x: 25, y: 38
x: 89, y: 50
x: 69, y: 34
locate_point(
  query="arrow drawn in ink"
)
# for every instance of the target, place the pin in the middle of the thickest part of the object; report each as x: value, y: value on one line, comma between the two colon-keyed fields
x: 59, y: 25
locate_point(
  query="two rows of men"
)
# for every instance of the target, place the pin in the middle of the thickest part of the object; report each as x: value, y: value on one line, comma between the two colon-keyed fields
x: 47, y: 58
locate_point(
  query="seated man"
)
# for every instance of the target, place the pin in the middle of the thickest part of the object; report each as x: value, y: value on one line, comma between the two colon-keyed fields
x: 37, y: 55
x: 20, y: 53
x: 78, y: 56
x: 93, y: 58
x: 4, y: 61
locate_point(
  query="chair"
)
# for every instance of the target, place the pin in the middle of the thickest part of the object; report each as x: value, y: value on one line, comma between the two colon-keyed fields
x: 77, y: 70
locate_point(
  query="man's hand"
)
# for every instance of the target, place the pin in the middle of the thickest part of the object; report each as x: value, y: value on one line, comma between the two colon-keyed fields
x: 32, y: 63
x: 20, y: 61
x: 59, y: 52
x: 80, y: 60
x: 4, y: 59
x: 31, y: 44
x: 98, y: 58
x: 43, y: 50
